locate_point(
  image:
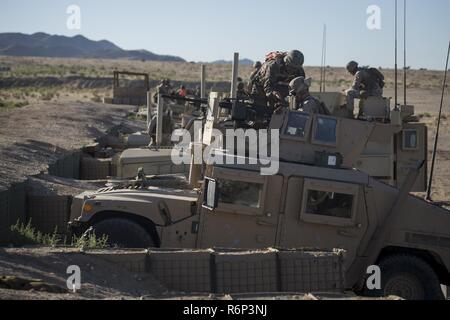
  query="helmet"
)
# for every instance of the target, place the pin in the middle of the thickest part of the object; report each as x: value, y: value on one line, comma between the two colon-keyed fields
x: 299, y: 85
x: 352, y: 66
x: 257, y: 65
x: 294, y: 59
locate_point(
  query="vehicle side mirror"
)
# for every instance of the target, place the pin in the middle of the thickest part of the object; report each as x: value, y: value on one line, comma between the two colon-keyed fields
x: 211, y: 196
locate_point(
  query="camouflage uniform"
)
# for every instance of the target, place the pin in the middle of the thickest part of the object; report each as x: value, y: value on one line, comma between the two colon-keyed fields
x: 163, y: 88
x: 310, y: 104
x: 257, y: 66
x: 365, y: 85
x: 304, y: 101
x: 241, y: 94
x: 273, y: 77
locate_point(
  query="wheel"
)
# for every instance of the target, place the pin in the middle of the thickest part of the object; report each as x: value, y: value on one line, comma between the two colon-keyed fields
x: 408, y: 277
x: 123, y: 233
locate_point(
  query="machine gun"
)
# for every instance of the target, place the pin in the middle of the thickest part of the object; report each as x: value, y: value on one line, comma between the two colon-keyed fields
x: 198, y: 104
x: 178, y: 98
x: 246, y: 114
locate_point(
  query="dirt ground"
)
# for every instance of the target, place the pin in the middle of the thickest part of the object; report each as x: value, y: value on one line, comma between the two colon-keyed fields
x: 36, y: 135
x: 100, y: 280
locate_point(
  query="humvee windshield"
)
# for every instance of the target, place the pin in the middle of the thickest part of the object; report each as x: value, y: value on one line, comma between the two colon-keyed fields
x: 325, y: 130
x: 240, y: 193
x: 297, y: 125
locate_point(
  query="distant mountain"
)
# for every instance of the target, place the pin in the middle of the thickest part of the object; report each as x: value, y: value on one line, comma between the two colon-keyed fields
x: 242, y: 61
x: 44, y: 45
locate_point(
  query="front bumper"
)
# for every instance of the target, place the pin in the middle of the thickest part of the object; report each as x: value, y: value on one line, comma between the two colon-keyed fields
x: 76, y: 228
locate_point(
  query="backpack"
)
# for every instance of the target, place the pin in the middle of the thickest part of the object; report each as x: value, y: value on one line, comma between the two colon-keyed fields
x: 274, y: 55
x: 271, y: 56
x: 378, y: 76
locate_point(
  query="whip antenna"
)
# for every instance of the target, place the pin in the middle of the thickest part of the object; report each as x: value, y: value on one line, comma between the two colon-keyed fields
x: 322, y: 63
x: 404, y: 52
x: 444, y: 85
x: 324, y: 59
x: 396, y: 53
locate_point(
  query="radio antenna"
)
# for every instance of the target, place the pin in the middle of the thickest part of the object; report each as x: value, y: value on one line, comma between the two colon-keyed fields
x: 396, y: 53
x: 444, y: 85
x: 404, y: 52
x: 323, y: 62
x: 325, y: 58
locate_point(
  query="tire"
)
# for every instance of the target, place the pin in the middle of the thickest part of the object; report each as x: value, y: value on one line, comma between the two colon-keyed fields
x: 408, y: 277
x: 124, y: 233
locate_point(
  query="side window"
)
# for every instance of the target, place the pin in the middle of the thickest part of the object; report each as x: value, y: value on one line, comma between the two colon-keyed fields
x: 329, y: 202
x: 410, y: 140
x: 297, y: 125
x: 325, y: 130
x: 240, y: 193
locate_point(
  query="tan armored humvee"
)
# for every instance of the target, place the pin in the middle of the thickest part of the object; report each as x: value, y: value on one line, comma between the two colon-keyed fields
x: 317, y: 199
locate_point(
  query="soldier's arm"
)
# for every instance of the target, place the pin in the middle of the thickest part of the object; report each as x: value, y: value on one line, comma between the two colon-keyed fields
x: 270, y: 79
x: 358, y: 81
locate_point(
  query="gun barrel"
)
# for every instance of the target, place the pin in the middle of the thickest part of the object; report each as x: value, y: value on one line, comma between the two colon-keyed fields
x: 167, y: 96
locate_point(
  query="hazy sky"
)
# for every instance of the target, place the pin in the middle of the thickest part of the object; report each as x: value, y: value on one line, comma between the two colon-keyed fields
x: 207, y: 30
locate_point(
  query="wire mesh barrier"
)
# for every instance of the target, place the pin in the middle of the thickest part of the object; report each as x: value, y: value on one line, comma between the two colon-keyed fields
x: 246, y: 271
x: 95, y: 169
x: 12, y: 209
x: 132, y: 260
x: 49, y: 213
x: 310, y: 271
x: 66, y: 167
x: 227, y: 271
x: 182, y: 270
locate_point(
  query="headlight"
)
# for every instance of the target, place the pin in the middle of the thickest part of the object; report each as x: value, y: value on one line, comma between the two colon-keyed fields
x: 88, y: 207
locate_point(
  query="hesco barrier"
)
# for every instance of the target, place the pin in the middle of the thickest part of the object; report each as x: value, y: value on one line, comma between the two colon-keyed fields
x: 12, y: 209
x: 183, y: 270
x: 310, y: 271
x: 95, y: 169
x: 66, y: 167
x: 49, y: 212
x: 132, y: 260
x: 247, y: 271
x: 237, y: 271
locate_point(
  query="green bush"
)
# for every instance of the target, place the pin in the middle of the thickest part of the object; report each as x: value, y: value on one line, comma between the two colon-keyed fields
x: 32, y: 236
x: 29, y: 235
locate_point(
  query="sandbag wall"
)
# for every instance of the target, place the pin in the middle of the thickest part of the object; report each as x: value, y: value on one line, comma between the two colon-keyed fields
x: 236, y: 271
